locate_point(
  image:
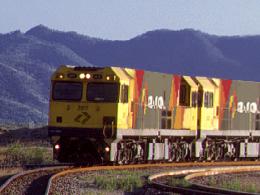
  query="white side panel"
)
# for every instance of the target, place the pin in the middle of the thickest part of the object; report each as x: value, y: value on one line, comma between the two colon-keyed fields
x: 198, y: 148
x: 166, y: 149
x: 252, y: 149
x: 249, y: 150
x: 159, y: 151
x: 151, y: 151
x: 154, y: 132
x: 228, y: 133
x: 255, y: 133
x: 113, y: 150
x: 242, y: 150
x: 184, y: 133
x: 177, y: 133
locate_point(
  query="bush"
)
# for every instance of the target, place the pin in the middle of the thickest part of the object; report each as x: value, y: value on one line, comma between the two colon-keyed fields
x: 18, y: 154
x: 178, y: 182
x: 119, y: 180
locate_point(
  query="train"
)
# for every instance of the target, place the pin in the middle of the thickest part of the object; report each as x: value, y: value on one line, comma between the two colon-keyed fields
x: 121, y: 115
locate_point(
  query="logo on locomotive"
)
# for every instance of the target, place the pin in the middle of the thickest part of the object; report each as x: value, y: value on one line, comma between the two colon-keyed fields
x: 156, y: 102
x: 248, y: 107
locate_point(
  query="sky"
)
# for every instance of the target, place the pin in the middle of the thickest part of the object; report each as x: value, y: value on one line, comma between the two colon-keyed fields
x: 125, y: 19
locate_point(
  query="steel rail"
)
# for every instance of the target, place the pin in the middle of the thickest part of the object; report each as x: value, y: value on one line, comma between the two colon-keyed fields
x: 221, y: 171
x: 199, y: 172
x: 142, y: 166
x: 182, y: 190
x: 16, y: 177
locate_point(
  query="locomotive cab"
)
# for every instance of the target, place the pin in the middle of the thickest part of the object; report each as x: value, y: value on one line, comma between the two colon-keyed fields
x: 207, y: 103
x: 188, y: 101
x: 87, y: 105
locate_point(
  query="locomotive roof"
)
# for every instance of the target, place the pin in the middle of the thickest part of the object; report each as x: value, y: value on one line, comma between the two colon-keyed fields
x: 205, y: 82
x: 127, y: 73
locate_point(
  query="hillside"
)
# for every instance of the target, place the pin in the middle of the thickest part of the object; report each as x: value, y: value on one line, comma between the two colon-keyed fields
x: 26, y: 64
x: 28, y: 59
x: 184, y: 52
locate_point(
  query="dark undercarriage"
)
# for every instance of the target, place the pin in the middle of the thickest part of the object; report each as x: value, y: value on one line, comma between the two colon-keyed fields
x: 81, y: 145
x: 81, y: 150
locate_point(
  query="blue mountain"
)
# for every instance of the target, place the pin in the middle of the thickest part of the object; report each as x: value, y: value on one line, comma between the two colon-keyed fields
x: 28, y: 59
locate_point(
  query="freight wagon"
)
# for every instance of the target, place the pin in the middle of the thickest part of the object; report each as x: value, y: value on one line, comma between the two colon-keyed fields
x: 123, y: 115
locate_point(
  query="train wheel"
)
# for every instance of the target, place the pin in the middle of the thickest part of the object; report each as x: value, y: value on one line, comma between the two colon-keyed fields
x: 229, y: 152
x: 184, y: 151
x: 124, y: 154
x: 210, y: 152
x: 218, y: 153
x: 179, y: 154
x: 137, y: 152
x: 120, y: 153
x: 172, y: 152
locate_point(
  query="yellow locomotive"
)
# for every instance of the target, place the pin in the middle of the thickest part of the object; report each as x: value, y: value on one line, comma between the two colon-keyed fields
x: 86, y: 107
x: 125, y: 115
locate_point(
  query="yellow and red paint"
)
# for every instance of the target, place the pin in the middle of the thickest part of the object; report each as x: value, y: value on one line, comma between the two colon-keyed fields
x: 175, y: 89
x: 228, y: 100
x: 233, y: 104
x: 178, y: 112
x: 144, y: 99
x: 225, y: 86
x: 139, y: 75
x: 141, y: 97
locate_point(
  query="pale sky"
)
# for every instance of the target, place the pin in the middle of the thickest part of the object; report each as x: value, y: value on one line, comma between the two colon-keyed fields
x: 125, y: 19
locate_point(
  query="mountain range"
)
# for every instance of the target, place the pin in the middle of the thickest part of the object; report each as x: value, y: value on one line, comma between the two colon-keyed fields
x: 28, y: 59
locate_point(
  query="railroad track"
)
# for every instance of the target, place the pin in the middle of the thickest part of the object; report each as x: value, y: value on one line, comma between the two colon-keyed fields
x: 55, y: 182
x: 157, y: 180
x: 30, y: 182
x: 47, y: 180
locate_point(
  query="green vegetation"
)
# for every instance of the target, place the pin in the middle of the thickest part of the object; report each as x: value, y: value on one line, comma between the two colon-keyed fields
x: 178, y: 182
x: 19, y: 154
x: 233, y: 184
x: 126, y: 180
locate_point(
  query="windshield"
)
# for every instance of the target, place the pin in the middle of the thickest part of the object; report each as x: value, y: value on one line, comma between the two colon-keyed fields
x: 102, y: 92
x: 67, y: 91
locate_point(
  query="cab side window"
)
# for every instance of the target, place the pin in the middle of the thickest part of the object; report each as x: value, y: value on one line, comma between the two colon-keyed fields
x: 184, y: 95
x: 166, y: 120
x: 194, y: 99
x: 208, y: 99
x: 124, y: 93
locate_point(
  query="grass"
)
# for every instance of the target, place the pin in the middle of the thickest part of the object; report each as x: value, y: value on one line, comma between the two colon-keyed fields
x: 231, y: 184
x: 20, y: 154
x: 112, y: 180
x: 178, y: 182
x: 234, y: 184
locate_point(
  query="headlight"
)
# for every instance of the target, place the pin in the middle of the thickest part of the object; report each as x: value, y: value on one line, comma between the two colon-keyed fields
x: 88, y: 76
x: 82, y: 76
x: 59, y: 76
x: 57, y: 146
x: 107, y: 149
